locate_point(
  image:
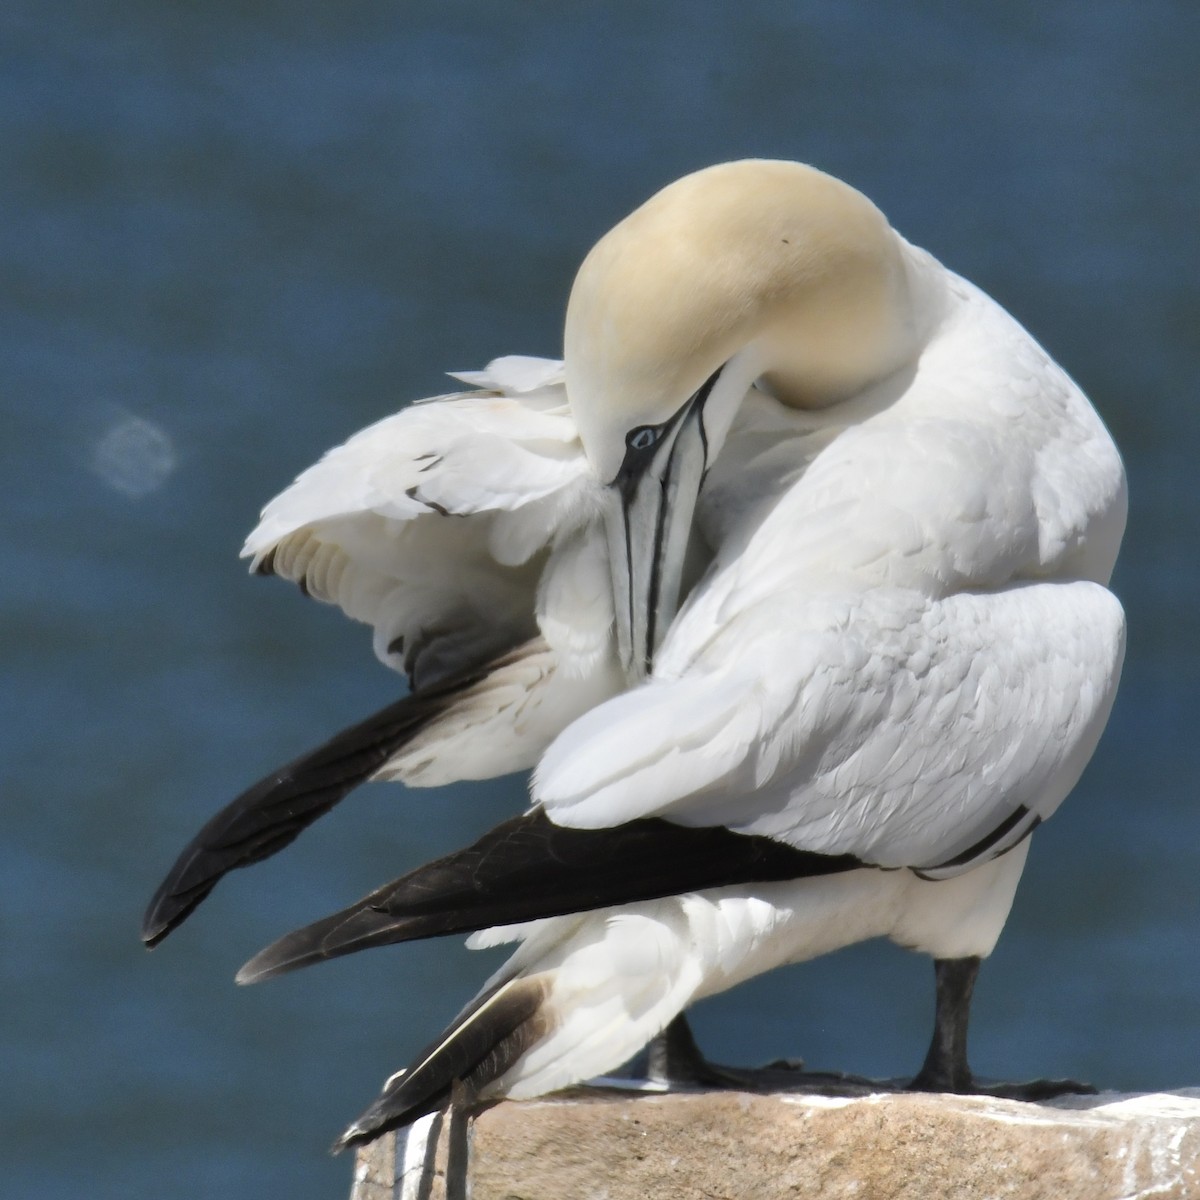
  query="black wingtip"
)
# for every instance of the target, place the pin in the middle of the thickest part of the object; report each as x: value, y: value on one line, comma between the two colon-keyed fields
x: 361, y: 1131
x: 354, y: 928
x: 261, y: 821
x: 528, y: 868
x: 274, y: 811
x: 374, y: 1123
x: 169, y: 909
x: 492, y: 1033
x: 155, y: 930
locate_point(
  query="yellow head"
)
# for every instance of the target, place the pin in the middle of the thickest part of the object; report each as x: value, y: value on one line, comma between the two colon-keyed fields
x: 747, y: 270
x: 774, y: 258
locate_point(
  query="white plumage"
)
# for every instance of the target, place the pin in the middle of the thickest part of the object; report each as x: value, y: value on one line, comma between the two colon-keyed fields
x: 617, y: 977
x: 895, y: 641
x: 906, y: 639
x: 360, y: 528
x: 459, y: 528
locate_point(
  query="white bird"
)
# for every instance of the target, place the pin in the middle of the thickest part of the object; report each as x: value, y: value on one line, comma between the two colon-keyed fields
x: 892, y: 519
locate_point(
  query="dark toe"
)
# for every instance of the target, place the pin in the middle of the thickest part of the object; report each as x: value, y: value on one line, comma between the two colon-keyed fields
x: 1033, y: 1091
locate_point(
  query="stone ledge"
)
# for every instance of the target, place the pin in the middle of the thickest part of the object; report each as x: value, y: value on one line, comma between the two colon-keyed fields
x: 604, y: 1145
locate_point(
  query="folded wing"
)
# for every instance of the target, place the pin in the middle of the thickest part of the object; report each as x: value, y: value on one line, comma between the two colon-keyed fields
x: 903, y: 730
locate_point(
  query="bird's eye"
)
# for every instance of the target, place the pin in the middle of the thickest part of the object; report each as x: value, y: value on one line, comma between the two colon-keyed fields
x: 642, y: 438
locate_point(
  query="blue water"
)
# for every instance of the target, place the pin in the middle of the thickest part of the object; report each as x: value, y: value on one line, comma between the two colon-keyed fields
x: 234, y: 233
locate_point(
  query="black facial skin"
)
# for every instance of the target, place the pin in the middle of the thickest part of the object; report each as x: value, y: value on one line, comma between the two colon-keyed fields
x: 642, y: 444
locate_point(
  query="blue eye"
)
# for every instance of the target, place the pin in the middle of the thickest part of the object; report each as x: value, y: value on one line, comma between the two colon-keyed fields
x: 642, y: 438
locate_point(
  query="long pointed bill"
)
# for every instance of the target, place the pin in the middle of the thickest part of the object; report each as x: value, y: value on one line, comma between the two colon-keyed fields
x: 649, y: 521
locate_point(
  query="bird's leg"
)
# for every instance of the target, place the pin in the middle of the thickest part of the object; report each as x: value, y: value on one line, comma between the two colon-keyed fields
x: 459, y: 1112
x: 674, y: 1060
x: 945, y: 1068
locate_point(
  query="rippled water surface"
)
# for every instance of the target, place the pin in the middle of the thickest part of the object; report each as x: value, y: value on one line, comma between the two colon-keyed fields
x: 234, y: 233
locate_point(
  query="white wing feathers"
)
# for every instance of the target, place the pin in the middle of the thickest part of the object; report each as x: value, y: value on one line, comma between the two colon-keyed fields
x: 516, y: 375
x: 902, y: 729
x: 505, y: 721
x: 366, y: 528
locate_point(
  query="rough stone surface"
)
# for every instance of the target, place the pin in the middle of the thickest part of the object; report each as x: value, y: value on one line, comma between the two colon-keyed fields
x: 734, y: 1146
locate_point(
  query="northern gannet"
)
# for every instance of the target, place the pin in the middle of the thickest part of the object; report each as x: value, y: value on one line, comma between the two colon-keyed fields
x: 890, y: 519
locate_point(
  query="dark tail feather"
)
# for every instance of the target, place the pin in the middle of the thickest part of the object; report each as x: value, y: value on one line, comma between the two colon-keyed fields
x: 529, y: 868
x: 479, y: 1047
x: 269, y: 815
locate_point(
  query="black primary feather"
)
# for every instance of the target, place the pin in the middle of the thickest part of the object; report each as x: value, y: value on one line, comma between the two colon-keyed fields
x: 275, y: 810
x: 528, y: 868
x: 493, y: 1032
